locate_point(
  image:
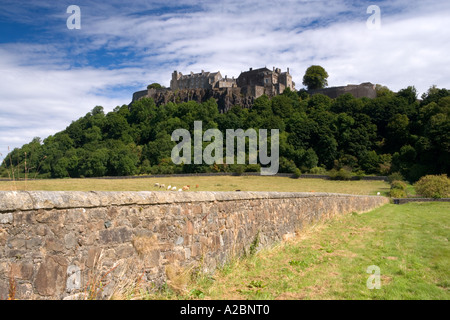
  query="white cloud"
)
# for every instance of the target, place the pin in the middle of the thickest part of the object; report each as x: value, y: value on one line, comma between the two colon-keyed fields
x: 42, y: 100
x: 41, y: 93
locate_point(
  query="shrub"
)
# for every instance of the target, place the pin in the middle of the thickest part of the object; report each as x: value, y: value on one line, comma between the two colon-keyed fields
x: 359, y: 174
x: 397, y: 193
x: 395, y: 176
x: 318, y: 170
x: 253, y: 168
x: 433, y: 186
x: 397, y: 184
x: 398, y: 189
x: 287, y: 166
x: 237, y: 169
x: 297, y: 173
x: 341, y: 174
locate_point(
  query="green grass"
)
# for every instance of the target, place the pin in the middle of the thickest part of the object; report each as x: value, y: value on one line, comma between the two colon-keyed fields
x: 409, y: 243
x: 212, y: 183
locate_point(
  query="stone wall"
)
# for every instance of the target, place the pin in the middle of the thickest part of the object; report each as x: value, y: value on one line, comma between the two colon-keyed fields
x: 139, y: 94
x: 362, y: 90
x: 408, y: 200
x: 55, y: 244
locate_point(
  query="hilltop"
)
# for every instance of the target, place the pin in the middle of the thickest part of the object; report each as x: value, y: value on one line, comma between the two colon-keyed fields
x: 390, y: 133
x: 242, y: 91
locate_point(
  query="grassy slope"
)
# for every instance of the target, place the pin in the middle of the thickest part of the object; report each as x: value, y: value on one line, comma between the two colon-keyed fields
x: 409, y: 243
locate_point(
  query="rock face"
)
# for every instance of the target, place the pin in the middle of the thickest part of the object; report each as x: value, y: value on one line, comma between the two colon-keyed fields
x: 74, y: 245
x: 225, y: 97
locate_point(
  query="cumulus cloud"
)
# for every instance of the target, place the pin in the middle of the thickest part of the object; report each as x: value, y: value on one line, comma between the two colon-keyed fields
x: 37, y: 101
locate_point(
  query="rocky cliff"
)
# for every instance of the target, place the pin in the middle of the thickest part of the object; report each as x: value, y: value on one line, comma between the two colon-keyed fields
x: 226, y: 97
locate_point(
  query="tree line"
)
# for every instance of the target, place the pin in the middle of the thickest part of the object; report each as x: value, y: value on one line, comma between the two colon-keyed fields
x: 394, y: 132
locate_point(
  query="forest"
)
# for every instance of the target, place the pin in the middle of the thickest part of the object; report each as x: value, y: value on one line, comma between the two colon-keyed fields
x: 396, y: 132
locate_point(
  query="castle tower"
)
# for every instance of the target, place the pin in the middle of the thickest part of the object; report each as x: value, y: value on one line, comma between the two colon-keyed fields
x: 174, y: 81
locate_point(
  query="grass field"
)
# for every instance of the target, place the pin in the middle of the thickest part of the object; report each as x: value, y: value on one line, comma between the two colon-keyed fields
x: 408, y: 243
x: 209, y: 183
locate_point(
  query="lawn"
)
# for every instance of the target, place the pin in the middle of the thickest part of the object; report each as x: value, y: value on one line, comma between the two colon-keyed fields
x: 208, y: 183
x: 408, y: 244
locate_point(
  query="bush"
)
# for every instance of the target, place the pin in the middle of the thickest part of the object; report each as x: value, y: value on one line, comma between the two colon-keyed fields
x: 318, y: 170
x: 297, y: 173
x: 341, y: 174
x: 397, y: 193
x: 397, y: 184
x: 398, y: 189
x: 237, y: 169
x: 359, y: 174
x: 395, y: 176
x: 433, y: 186
x: 253, y: 168
x: 286, y: 166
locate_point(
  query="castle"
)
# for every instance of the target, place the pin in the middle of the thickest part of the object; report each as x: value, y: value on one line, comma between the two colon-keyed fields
x: 253, y: 83
x: 242, y: 90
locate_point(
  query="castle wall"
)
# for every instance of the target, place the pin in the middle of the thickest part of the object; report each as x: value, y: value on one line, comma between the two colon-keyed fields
x: 139, y: 94
x: 358, y: 91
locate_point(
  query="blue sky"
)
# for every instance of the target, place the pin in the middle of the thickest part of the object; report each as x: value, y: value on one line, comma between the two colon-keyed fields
x: 52, y: 75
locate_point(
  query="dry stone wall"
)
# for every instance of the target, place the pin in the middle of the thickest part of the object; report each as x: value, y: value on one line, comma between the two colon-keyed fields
x: 57, y: 245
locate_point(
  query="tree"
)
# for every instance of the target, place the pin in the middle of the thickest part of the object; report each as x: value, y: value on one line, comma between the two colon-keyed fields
x: 410, y: 94
x: 154, y: 86
x: 315, y: 78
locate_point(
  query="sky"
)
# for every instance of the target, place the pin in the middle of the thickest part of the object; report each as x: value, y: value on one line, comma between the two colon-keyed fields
x: 51, y: 75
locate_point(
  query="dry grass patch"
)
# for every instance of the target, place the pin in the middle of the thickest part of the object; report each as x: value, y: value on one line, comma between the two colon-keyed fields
x: 212, y: 183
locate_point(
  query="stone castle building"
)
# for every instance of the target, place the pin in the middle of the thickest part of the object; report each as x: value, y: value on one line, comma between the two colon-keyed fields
x: 253, y: 83
x: 264, y: 81
x: 203, y: 80
x: 242, y: 90
x: 226, y: 91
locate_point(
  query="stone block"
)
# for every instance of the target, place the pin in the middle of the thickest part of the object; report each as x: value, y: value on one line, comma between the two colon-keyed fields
x: 70, y: 240
x: 33, y: 243
x: 6, y: 218
x: 22, y: 270
x: 93, y: 256
x: 152, y: 258
x: 51, y: 276
x: 189, y: 229
x: 196, y: 250
x: 118, y: 235
x: 55, y: 245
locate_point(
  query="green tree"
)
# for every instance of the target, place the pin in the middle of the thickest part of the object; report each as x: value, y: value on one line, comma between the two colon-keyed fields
x: 315, y: 77
x: 154, y: 86
x: 123, y: 161
x: 397, y: 132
